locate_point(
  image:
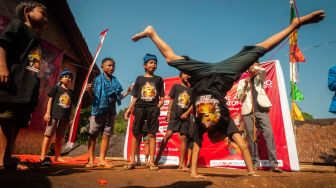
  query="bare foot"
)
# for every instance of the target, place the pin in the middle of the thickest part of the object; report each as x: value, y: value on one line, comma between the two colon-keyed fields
x: 313, y: 17
x: 59, y: 159
x: 197, y: 176
x: 145, y: 33
x: 183, y: 169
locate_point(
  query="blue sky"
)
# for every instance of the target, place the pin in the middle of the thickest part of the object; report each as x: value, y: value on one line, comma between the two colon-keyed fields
x: 211, y: 30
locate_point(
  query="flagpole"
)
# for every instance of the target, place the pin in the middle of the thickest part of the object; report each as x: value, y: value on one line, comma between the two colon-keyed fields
x: 291, y: 64
x: 75, y: 121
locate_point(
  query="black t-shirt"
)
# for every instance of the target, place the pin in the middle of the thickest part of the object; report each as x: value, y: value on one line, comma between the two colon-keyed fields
x: 62, y: 102
x: 181, y: 99
x: 211, y: 82
x: 148, y: 90
x: 23, y: 56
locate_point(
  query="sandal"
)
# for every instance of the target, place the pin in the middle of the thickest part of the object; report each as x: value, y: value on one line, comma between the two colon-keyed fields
x: 46, y: 162
x: 105, y: 165
x: 129, y: 167
x: 153, y: 168
x: 89, y: 165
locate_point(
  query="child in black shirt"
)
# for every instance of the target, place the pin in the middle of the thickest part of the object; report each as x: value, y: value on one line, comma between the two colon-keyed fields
x: 211, y: 81
x: 57, y: 116
x: 20, y: 58
x: 148, y: 95
x: 178, y: 117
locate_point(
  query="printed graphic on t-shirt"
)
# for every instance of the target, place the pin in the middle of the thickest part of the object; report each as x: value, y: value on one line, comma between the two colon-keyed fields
x: 34, y: 59
x: 148, y: 91
x: 64, y: 100
x: 207, y: 109
x: 184, y: 100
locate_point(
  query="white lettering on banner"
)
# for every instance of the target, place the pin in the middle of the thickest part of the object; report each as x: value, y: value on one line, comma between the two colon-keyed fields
x: 233, y: 103
x: 165, y: 102
x: 268, y: 84
x: 173, y: 160
x: 240, y: 163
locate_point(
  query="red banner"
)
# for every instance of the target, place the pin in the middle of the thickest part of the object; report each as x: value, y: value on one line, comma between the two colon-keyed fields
x: 227, y: 154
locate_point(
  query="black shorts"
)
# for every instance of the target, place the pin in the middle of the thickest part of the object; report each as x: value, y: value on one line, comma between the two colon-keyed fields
x: 17, y: 113
x: 176, y: 124
x: 148, y: 114
x: 190, y: 143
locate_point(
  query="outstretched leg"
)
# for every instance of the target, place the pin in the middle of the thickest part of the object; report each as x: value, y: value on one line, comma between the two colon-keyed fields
x: 274, y: 40
x: 163, y: 47
x: 163, y: 145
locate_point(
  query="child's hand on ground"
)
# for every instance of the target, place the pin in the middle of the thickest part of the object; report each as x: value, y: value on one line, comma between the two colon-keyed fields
x: 4, y: 75
x: 198, y: 176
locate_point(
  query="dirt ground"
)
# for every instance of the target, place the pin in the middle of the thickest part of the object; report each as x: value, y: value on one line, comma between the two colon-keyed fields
x: 78, y: 176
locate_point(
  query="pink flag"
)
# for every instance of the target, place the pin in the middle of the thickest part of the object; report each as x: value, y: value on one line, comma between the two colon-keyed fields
x: 74, y: 125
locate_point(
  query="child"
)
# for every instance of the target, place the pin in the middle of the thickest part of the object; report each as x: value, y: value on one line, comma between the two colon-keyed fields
x: 211, y: 81
x: 105, y: 92
x: 148, y: 95
x: 332, y: 87
x: 57, y: 116
x: 20, y: 58
x: 178, y: 117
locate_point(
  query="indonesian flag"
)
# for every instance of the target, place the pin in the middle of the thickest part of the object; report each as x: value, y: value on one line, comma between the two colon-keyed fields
x: 74, y: 124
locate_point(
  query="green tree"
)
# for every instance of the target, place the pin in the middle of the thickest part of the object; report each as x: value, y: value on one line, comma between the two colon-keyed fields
x: 82, y: 134
x: 120, y: 125
x: 307, y: 116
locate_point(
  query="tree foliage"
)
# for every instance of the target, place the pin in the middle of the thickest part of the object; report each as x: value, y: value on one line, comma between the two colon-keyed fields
x: 120, y: 125
x: 307, y: 116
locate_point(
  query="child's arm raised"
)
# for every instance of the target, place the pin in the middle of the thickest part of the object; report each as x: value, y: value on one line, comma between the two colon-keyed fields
x: 274, y: 40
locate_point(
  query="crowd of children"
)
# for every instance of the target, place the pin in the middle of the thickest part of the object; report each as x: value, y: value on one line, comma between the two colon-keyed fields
x: 203, y: 85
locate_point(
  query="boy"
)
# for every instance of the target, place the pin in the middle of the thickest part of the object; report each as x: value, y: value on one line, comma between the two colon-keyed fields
x: 210, y: 83
x: 178, y: 116
x: 105, y: 92
x: 148, y: 95
x: 57, y: 116
x: 255, y: 108
x: 332, y: 87
x: 20, y: 58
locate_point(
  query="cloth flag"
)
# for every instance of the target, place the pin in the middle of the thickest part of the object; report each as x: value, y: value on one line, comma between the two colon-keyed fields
x: 74, y: 124
x: 296, y: 93
x: 296, y: 112
x: 295, y: 54
x: 294, y: 72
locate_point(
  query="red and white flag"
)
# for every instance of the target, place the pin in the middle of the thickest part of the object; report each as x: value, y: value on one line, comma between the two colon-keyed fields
x: 74, y: 125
